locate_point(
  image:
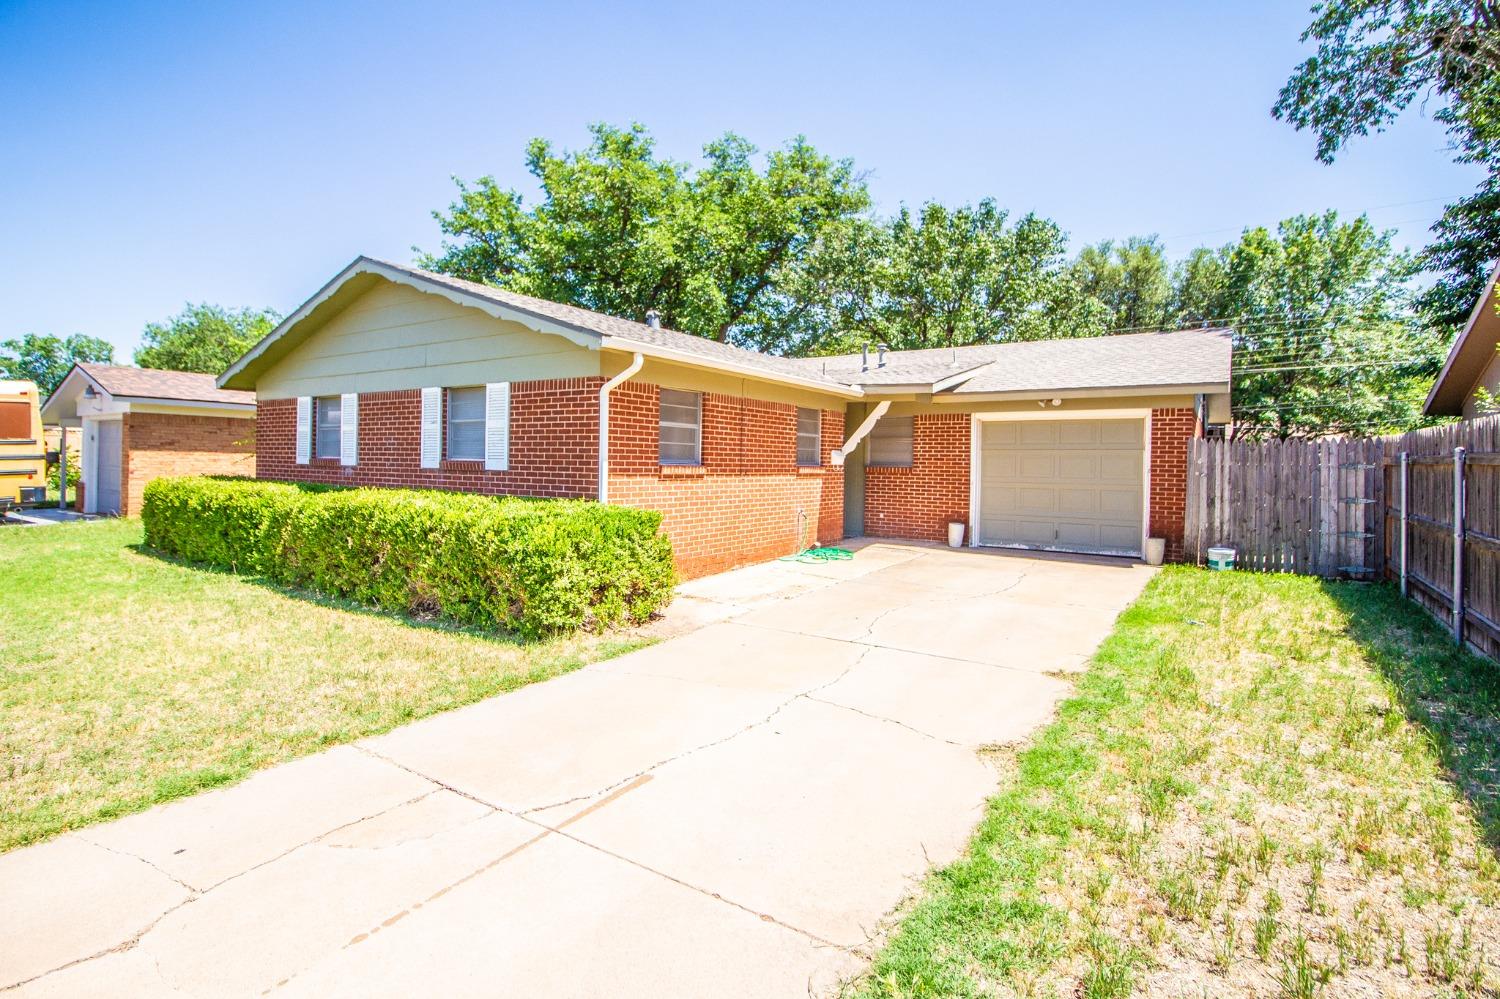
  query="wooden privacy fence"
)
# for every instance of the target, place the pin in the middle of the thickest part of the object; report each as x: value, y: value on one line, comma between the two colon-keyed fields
x: 1358, y: 509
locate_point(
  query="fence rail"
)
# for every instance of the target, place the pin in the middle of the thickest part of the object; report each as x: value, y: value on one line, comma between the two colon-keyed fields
x: 1422, y: 508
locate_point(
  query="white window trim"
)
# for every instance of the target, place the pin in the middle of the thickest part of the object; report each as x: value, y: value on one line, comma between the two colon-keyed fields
x: 697, y: 427
x: 817, y: 436
x: 317, y: 455
x: 977, y: 420
x: 482, y: 420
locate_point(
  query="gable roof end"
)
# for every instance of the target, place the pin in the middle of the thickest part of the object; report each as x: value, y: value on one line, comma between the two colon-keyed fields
x: 1468, y: 356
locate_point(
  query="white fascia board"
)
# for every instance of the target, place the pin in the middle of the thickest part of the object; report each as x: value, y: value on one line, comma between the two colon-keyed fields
x: 1194, y: 388
x: 142, y: 404
x: 364, y: 265
x: 713, y: 364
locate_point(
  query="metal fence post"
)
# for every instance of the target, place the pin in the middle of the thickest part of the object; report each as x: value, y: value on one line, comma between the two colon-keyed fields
x: 1405, y: 466
x: 1458, y: 545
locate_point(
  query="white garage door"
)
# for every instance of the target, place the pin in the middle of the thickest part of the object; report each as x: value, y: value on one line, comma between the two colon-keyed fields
x: 1063, y: 485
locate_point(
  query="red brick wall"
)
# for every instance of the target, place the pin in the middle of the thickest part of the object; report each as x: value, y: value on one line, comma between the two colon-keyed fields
x: 156, y: 444
x: 748, y: 501
x: 741, y: 506
x: 552, y: 450
x: 918, y: 502
x: 1171, y: 429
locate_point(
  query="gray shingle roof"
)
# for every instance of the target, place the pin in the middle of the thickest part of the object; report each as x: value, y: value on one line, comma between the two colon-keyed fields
x: 150, y: 383
x: 1132, y: 360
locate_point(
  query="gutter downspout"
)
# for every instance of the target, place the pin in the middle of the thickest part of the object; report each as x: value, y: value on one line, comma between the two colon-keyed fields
x: 604, y: 391
x: 837, y: 457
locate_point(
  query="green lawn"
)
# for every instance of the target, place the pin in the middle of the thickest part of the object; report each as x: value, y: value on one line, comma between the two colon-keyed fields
x: 126, y: 679
x: 1265, y: 785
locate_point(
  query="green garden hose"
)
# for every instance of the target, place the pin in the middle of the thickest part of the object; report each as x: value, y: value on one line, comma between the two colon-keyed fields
x: 820, y: 555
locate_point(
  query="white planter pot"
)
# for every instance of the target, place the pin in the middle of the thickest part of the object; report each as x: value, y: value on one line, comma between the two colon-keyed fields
x: 955, y: 534
x: 1156, y: 550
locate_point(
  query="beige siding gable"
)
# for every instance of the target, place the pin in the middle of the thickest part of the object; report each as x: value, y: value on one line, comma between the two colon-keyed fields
x: 394, y: 337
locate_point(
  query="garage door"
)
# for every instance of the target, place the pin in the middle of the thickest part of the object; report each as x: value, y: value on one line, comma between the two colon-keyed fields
x: 1063, y: 485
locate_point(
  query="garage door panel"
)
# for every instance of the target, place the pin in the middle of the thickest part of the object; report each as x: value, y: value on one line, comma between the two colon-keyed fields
x: 1036, y: 466
x: 1121, y: 433
x: 1120, y: 467
x: 1078, y: 432
x: 1064, y: 484
x: 1080, y: 465
x: 1039, y: 433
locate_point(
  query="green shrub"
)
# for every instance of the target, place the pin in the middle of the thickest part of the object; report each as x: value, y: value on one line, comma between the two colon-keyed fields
x: 535, y: 567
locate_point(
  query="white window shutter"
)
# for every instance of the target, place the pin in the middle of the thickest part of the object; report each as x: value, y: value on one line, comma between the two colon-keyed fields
x: 432, y: 427
x: 497, y: 426
x: 304, y: 429
x: 349, y: 429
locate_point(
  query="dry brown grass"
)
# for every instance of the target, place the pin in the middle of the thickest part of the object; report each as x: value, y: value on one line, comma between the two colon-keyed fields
x: 1247, y: 797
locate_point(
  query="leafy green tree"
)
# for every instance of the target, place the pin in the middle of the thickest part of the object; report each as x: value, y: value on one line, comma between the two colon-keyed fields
x: 207, y: 338
x: 1373, y: 59
x: 46, y: 360
x: 1131, y: 279
x: 1325, y: 335
x: 952, y: 277
x: 718, y: 252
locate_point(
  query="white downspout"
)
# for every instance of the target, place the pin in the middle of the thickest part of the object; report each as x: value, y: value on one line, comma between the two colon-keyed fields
x: 864, y: 428
x: 604, y: 391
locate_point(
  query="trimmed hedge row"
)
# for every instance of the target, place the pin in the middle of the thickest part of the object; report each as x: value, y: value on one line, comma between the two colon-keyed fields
x: 535, y: 567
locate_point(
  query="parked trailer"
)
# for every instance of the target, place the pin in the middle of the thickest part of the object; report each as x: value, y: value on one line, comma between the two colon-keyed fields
x: 23, y: 455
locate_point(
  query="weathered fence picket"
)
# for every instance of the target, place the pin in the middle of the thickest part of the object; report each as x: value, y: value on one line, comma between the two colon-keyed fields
x: 1358, y: 509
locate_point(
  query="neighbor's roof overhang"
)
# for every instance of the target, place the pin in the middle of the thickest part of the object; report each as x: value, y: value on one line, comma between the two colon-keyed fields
x: 361, y: 275
x: 1468, y: 357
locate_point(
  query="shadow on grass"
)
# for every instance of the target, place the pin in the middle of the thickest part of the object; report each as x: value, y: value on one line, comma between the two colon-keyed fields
x: 1451, y: 693
x: 349, y: 606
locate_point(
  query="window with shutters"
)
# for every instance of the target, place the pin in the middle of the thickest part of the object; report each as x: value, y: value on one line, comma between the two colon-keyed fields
x: 809, y: 437
x: 328, y: 421
x: 681, y: 428
x: 890, y: 443
x: 466, y: 424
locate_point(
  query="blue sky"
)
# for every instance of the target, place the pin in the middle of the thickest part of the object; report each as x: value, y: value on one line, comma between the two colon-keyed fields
x: 152, y: 154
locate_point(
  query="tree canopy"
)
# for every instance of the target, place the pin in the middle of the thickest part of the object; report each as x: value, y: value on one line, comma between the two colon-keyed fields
x: 206, y: 338
x: 621, y: 230
x: 46, y: 360
x: 1373, y: 59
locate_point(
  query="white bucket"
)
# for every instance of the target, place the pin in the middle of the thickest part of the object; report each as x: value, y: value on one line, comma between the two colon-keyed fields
x: 1221, y: 558
x: 1156, y: 550
x: 955, y: 534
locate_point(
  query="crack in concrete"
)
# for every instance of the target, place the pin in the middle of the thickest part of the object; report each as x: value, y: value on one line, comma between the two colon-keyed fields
x: 892, y: 721
x: 135, y: 856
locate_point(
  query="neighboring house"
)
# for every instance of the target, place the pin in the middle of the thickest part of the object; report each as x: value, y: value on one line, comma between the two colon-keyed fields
x: 139, y: 424
x: 393, y: 376
x: 1473, y: 365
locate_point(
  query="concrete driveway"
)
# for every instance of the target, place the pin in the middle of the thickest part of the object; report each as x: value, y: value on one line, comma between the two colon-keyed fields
x: 731, y: 812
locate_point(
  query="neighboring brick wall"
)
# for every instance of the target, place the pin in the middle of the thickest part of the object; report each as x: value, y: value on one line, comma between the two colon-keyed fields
x: 741, y: 506
x: 1171, y: 429
x: 748, y: 501
x: 552, y: 449
x: 153, y: 445
x: 918, y: 502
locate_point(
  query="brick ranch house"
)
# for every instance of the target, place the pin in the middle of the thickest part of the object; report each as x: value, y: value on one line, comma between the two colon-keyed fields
x: 394, y: 376
x: 139, y: 424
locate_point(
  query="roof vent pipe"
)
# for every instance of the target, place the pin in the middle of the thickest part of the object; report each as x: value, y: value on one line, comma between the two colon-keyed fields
x: 864, y: 357
x: 880, y: 361
x: 653, y: 319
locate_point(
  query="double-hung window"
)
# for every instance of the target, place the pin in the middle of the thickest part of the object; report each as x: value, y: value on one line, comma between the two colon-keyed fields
x: 681, y: 428
x: 809, y: 437
x: 330, y: 424
x: 466, y: 424
x: 890, y: 443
